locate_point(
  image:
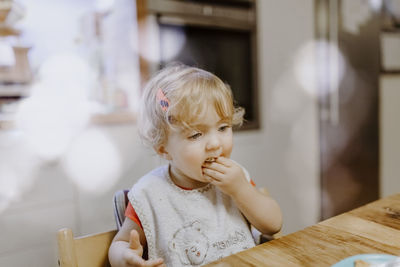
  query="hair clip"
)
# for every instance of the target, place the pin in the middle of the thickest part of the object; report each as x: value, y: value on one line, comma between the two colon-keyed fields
x: 162, y: 99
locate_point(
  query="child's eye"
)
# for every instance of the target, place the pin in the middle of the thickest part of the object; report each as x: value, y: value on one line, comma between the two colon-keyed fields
x: 195, y: 136
x: 223, y: 128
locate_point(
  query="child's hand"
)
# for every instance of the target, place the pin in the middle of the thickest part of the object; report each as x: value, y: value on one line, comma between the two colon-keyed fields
x: 226, y: 175
x: 133, y: 255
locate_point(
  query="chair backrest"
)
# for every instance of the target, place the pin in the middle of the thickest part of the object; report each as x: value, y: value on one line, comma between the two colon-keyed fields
x: 120, y: 202
x: 84, y: 251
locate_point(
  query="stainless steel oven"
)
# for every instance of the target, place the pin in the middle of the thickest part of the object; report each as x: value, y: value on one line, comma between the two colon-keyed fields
x: 219, y: 36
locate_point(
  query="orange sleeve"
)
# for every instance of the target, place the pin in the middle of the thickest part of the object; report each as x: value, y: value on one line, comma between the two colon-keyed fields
x: 131, y: 214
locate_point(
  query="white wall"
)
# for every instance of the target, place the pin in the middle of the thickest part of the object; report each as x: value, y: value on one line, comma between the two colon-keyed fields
x: 389, y: 134
x: 389, y: 110
x: 282, y: 155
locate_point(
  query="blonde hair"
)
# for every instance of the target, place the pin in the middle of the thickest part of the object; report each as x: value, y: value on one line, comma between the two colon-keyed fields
x: 190, y: 92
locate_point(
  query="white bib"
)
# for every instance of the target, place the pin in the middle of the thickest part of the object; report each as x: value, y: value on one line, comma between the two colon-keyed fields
x: 188, y: 227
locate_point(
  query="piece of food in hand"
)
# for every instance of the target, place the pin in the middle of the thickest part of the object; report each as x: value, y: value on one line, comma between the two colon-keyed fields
x: 210, y: 160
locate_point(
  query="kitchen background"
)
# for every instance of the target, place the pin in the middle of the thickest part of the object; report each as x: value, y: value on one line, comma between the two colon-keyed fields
x: 68, y: 136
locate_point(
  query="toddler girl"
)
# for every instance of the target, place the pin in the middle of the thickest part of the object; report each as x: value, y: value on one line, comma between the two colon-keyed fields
x: 197, y: 208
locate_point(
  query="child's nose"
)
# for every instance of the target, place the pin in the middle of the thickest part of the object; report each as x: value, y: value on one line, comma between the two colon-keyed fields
x: 213, y: 142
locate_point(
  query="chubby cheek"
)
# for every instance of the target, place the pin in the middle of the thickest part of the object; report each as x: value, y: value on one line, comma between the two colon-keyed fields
x: 227, y: 151
x: 227, y: 148
x: 194, y: 166
x: 192, y: 161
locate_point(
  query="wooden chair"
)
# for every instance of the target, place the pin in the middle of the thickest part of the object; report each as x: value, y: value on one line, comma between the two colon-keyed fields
x: 90, y: 250
x: 84, y: 251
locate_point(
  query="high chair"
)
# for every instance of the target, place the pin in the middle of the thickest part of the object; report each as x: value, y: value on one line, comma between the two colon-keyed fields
x: 83, y: 251
x: 120, y: 203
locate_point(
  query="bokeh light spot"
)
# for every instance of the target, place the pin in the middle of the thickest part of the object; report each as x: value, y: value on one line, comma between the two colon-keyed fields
x: 92, y: 162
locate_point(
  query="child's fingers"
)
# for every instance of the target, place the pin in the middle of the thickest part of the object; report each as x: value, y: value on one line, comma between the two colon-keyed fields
x: 221, y: 164
x: 224, y: 161
x: 212, y: 174
x: 134, y: 241
x: 134, y: 260
x: 213, y: 180
x: 218, y: 167
x: 207, y: 177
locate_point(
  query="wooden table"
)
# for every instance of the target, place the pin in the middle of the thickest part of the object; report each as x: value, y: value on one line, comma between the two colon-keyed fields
x: 373, y: 228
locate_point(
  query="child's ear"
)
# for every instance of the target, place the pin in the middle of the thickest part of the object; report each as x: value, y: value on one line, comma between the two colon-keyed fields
x: 162, y: 152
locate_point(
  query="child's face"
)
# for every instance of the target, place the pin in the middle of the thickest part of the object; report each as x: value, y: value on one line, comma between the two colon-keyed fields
x: 188, y: 150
